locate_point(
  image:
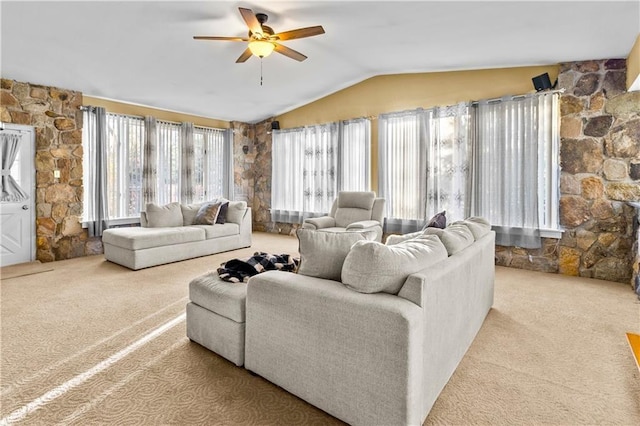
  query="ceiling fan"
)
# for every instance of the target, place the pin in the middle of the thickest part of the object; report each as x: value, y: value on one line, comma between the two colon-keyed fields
x: 262, y: 40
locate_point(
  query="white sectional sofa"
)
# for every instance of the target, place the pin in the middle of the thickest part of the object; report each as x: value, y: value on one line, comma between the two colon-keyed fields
x: 157, y: 242
x: 382, y: 354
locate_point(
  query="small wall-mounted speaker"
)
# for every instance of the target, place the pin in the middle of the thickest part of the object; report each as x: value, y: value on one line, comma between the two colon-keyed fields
x: 542, y: 82
x: 275, y: 125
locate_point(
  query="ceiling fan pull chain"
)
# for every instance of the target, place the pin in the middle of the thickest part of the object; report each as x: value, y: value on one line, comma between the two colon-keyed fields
x: 260, y: 71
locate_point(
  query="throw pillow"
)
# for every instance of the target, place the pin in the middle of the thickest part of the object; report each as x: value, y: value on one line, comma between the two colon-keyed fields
x: 163, y: 216
x: 207, y: 214
x: 322, y: 253
x: 437, y: 221
x: 236, y: 211
x: 189, y: 212
x: 455, y: 237
x: 372, y: 267
x: 478, y: 226
x: 395, y: 239
x: 222, y: 215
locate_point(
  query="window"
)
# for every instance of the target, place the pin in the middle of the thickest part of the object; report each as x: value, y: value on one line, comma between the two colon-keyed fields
x: 402, y: 169
x: 354, y: 167
x: 424, y: 165
x: 116, y: 149
x: 125, y: 136
x: 504, y: 166
x: 212, y: 170
x: 515, y: 182
x: 311, y: 164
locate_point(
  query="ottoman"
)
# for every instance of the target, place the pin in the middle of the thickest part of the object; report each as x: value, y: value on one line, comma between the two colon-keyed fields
x: 216, y: 316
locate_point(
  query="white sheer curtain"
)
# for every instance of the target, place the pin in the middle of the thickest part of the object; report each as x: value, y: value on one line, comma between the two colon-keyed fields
x: 511, y: 134
x: 354, y: 171
x: 320, y: 168
x: 402, y: 169
x: 448, y: 145
x: 287, y: 185
x: 304, y: 172
x: 168, y: 161
x: 94, y: 144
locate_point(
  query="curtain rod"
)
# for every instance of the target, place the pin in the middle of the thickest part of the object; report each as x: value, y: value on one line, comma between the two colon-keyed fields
x: 546, y: 92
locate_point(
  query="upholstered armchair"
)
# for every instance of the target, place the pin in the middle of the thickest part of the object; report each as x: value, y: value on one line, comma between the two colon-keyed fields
x: 352, y: 212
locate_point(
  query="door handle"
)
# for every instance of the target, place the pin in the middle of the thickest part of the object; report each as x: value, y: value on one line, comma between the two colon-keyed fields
x: 25, y: 207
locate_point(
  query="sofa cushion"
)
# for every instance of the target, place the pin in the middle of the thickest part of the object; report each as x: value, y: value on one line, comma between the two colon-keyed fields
x: 138, y: 238
x: 219, y: 230
x: 163, y: 216
x: 236, y: 211
x: 322, y: 253
x: 358, y: 200
x: 372, y: 267
x: 354, y: 207
x: 222, y: 297
x: 455, y: 237
x: 189, y: 212
x: 478, y: 226
x: 395, y: 239
x: 347, y: 215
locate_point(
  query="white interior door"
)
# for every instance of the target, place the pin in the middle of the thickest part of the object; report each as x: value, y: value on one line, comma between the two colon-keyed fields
x: 17, y: 219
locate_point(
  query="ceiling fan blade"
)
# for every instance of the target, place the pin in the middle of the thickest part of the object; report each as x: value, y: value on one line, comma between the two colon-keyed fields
x: 245, y: 55
x: 251, y: 20
x: 220, y: 38
x: 284, y: 50
x: 300, y: 33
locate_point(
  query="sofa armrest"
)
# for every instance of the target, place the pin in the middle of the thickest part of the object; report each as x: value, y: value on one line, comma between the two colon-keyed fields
x: 319, y: 222
x: 362, y: 224
x: 328, y: 345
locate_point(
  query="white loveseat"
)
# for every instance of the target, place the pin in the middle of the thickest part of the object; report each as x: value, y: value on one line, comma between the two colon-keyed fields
x: 160, y: 240
x: 380, y: 355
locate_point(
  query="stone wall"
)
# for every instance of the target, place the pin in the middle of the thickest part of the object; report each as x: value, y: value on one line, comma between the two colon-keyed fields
x: 252, y: 174
x: 58, y: 131
x: 600, y: 162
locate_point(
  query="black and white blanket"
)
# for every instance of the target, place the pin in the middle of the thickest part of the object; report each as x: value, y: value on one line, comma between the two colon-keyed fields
x: 240, y: 270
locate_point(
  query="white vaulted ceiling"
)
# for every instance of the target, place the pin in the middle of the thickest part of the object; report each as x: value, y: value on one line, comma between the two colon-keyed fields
x: 144, y: 53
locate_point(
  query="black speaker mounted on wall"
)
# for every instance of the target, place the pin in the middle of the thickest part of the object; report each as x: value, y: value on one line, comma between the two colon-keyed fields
x: 275, y: 125
x: 542, y: 82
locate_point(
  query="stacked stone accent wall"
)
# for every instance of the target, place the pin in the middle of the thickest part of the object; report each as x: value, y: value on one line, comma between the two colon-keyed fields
x: 600, y: 162
x: 252, y: 174
x: 58, y: 132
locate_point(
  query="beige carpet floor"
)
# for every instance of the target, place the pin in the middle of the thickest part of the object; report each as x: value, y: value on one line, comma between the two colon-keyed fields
x: 23, y: 269
x: 91, y: 342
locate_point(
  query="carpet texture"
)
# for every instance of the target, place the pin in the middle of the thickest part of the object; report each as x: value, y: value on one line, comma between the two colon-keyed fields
x: 91, y: 342
x: 24, y: 269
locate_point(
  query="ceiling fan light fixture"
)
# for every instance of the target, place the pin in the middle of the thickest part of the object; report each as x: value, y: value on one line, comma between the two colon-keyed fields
x: 261, y: 48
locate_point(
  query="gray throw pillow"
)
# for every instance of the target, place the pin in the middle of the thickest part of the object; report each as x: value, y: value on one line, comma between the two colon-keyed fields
x: 322, y: 253
x: 372, y: 267
x: 437, y: 221
x: 222, y: 215
x: 163, y: 216
x: 207, y: 214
